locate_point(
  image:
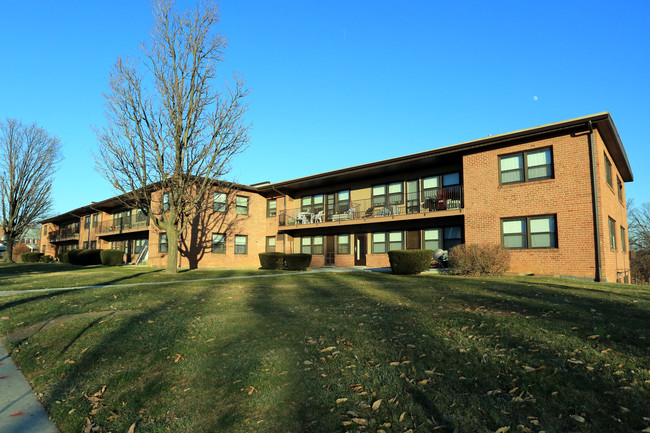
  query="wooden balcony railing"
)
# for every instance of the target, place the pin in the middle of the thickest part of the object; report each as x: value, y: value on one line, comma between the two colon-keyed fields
x: 433, y: 200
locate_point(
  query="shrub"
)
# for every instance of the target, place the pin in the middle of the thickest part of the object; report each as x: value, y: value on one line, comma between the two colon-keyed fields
x: 297, y: 262
x: 34, y: 257
x: 272, y: 260
x: 72, y: 256
x: 88, y: 257
x: 19, y: 250
x: 111, y: 257
x: 479, y: 259
x: 47, y: 259
x: 64, y: 257
x: 410, y: 262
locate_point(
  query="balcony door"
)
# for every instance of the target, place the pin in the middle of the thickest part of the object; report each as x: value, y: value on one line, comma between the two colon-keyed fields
x: 360, y: 249
x: 413, y: 196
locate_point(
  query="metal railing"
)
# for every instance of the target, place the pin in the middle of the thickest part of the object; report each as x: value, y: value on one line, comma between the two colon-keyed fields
x: 65, y: 234
x: 122, y: 224
x: 430, y: 201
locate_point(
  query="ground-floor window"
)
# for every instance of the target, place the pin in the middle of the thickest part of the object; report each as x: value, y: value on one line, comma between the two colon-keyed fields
x: 343, y: 244
x: 311, y: 245
x: 452, y: 236
x: 86, y: 244
x: 432, y: 239
x: 162, y: 243
x: 529, y: 232
x: 270, y: 244
x: 241, y: 244
x: 93, y: 245
x: 218, y: 243
x: 138, y: 244
x: 382, y: 242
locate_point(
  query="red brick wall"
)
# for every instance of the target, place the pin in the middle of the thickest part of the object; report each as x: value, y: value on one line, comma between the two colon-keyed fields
x: 616, y: 263
x: 568, y: 196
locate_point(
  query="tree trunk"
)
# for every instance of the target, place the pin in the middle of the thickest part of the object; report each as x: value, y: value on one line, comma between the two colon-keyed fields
x: 9, y: 252
x: 172, y: 250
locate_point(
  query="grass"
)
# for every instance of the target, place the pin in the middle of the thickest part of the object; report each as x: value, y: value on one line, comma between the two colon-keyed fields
x: 339, y: 352
x: 27, y: 276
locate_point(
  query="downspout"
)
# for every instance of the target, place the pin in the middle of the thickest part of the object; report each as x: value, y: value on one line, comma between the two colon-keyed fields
x: 594, y: 191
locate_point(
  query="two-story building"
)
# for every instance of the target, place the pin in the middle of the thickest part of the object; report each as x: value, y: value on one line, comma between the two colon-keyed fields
x: 553, y: 194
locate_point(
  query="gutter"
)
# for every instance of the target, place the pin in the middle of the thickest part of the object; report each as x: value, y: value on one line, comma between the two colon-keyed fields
x: 594, y: 194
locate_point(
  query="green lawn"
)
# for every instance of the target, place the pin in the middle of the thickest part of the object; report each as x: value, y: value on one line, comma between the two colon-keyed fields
x: 26, y: 276
x: 337, y: 352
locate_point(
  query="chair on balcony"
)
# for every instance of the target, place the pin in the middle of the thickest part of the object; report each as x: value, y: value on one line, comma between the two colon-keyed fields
x: 304, y: 218
x: 318, y: 218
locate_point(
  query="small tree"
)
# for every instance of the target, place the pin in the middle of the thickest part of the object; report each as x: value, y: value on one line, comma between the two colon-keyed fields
x: 28, y: 158
x: 166, y: 146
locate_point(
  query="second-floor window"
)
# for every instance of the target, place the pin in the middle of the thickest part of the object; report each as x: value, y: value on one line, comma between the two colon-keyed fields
x: 619, y: 185
x: 87, y: 222
x: 241, y: 203
x: 526, y: 166
x: 271, y: 207
x: 165, y: 205
x: 612, y: 234
x: 95, y: 219
x: 220, y: 201
x: 623, y: 243
x: 608, y: 171
x: 392, y: 193
x: 312, y: 203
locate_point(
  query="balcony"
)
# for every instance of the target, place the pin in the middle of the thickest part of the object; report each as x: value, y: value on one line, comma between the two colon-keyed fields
x: 122, y: 225
x: 438, y: 202
x: 66, y: 234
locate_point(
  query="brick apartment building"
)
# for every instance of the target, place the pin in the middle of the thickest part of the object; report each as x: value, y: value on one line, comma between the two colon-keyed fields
x: 553, y: 194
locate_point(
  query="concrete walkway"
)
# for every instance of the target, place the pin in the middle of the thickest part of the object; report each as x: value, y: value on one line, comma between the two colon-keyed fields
x: 20, y: 411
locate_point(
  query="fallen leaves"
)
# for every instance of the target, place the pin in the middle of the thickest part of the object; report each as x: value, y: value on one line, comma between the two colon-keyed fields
x: 376, y: 404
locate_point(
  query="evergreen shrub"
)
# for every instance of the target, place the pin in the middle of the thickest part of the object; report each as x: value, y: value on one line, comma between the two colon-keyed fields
x: 297, y: 262
x: 410, y: 262
x: 272, y: 260
x: 111, y: 257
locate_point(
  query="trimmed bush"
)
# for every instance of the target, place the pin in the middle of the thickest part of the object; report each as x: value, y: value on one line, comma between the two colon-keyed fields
x: 479, y: 259
x: 47, y: 259
x: 34, y: 257
x: 111, y: 257
x: 88, y: 257
x: 272, y: 260
x: 410, y: 262
x: 297, y: 262
x: 72, y: 256
x: 64, y: 257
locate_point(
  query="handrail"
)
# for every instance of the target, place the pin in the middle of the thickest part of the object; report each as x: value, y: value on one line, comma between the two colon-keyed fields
x: 430, y: 201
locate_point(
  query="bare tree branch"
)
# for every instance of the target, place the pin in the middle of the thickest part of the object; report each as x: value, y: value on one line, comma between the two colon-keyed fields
x: 28, y: 158
x: 167, y: 124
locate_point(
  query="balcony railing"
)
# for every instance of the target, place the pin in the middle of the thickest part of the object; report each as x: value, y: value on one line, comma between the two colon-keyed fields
x: 63, y: 235
x: 431, y: 201
x: 119, y: 225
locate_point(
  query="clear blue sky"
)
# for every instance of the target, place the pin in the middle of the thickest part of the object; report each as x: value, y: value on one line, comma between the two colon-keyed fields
x: 335, y: 84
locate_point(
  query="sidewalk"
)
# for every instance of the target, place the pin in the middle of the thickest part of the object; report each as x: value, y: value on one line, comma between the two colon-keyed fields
x: 20, y: 411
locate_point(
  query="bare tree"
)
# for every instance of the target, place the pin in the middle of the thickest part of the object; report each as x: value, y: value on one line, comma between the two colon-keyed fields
x: 638, y: 220
x: 28, y: 158
x: 168, y: 128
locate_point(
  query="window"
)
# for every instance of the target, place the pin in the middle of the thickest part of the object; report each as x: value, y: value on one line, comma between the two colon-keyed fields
x: 93, y: 245
x: 95, y: 219
x: 162, y: 243
x: 343, y: 244
x: 623, y: 246
x: 270, y: 244
x: 140, y: 216
x: 529, y: 232
x: 138, y: 244
x: 313, y: 203
x: 219, y: 201
x: 526, y: 166
x: 619, y: 185
x: 429, y: 186
x: 165, y: 202
x: 343, y: 201
x: 379, y: 195
x: 44, y: 230
x: 241, y: 243
x: 311, y: 245
x: 432, y: 239
x: 612, y: 234
x: 392, y: 193
x: 451, y: 179
x: 452, y: 237
x: 608, y: 171
x: 271, y: 207
x: 87, y: 222
x: 384, y: 242
x: 242, y: 207
x: 219, y: 243
x: 85, y: 246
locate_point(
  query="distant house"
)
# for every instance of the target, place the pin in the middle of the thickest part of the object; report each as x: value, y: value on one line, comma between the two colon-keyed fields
x: 553, y: 194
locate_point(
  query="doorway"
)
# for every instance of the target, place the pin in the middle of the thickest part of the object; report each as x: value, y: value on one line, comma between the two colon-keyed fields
x: 360, y: 250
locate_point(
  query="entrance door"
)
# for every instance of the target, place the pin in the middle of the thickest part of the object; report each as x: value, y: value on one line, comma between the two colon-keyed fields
x: 360, y: 250
x: 329, y: 250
